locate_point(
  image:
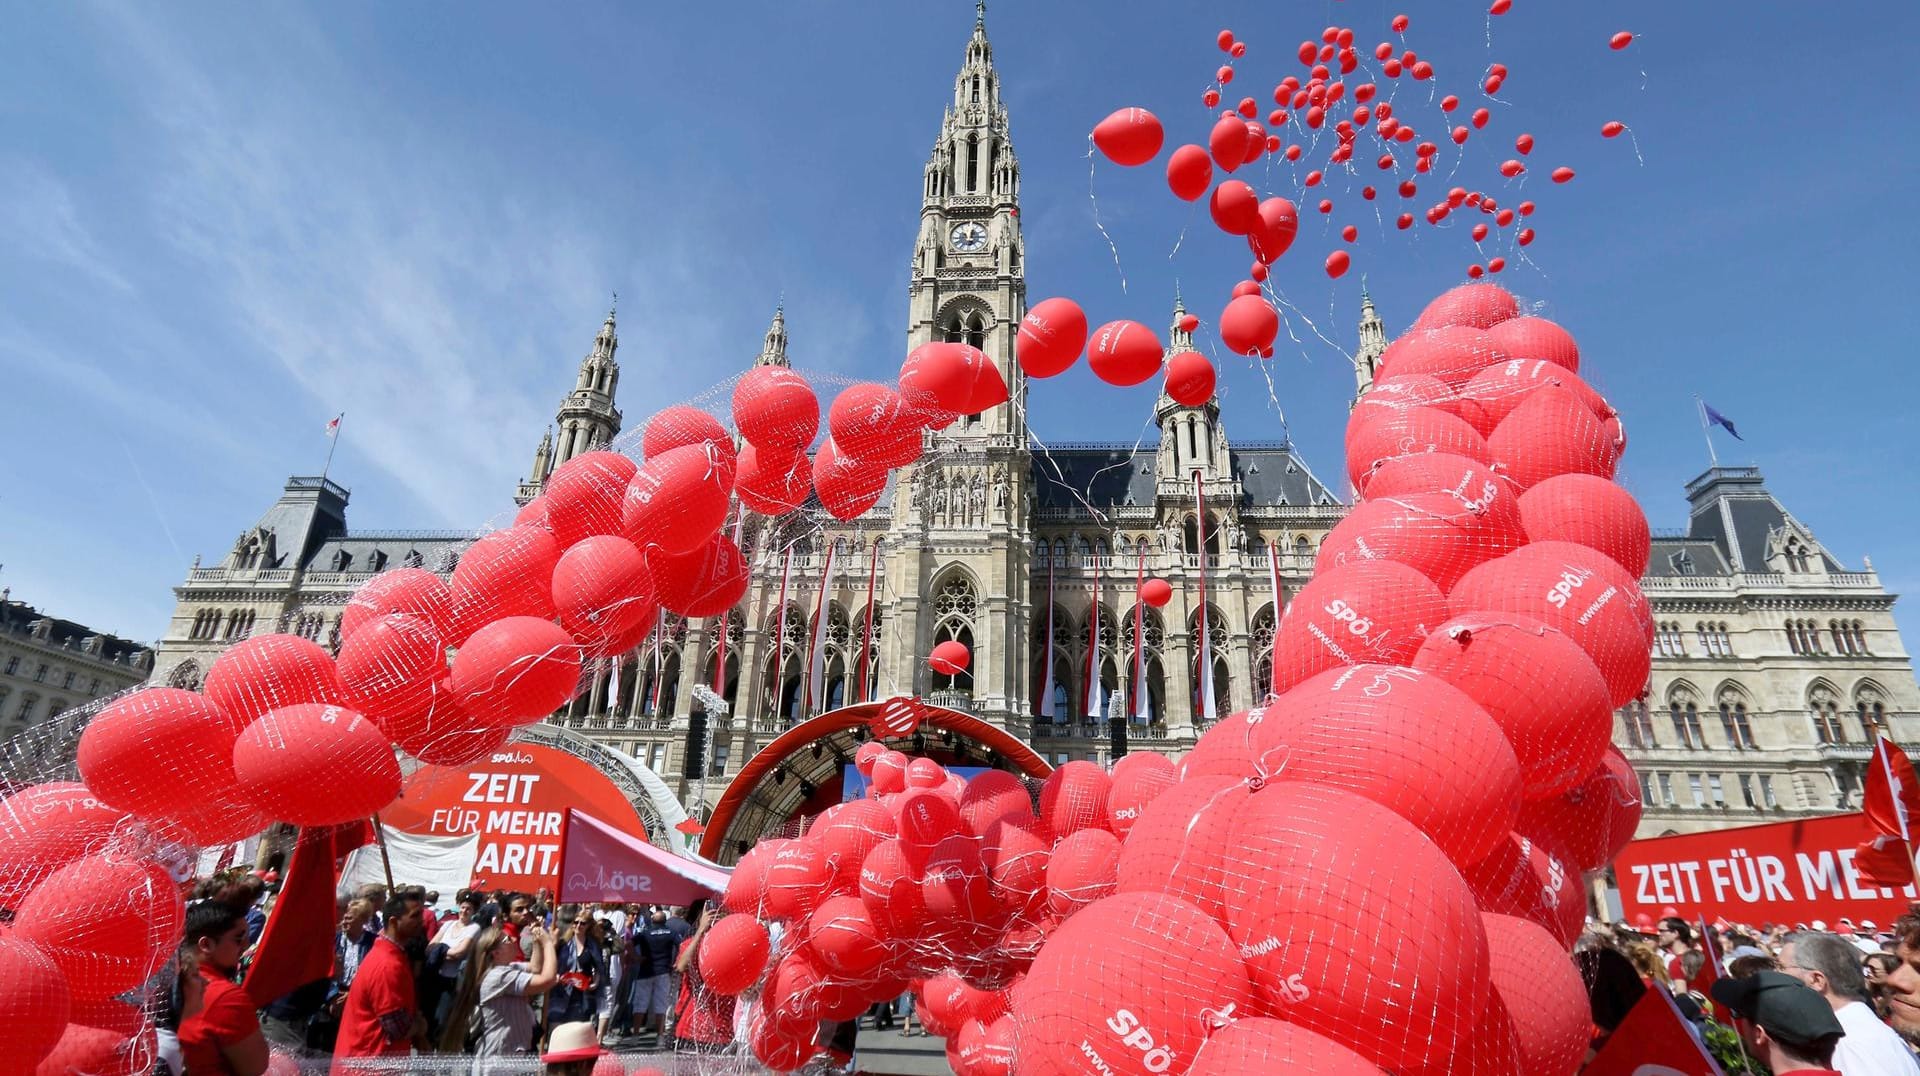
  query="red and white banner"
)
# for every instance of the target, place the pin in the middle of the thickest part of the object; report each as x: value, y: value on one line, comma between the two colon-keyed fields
x: 604, y: 864
x: 1783, y: 872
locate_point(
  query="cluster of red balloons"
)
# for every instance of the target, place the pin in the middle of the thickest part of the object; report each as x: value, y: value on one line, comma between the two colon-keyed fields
x: 944, y: 886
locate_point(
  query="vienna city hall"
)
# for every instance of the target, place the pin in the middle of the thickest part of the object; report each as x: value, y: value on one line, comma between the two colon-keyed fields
x: 1773, y: 667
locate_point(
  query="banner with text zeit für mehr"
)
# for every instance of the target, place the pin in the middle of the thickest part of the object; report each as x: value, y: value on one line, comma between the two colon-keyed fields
x: 1782, y: 872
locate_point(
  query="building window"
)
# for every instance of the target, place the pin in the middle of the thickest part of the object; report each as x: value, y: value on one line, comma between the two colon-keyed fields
x: 25, y: 713
x: 40, y: 674
x: 1646, y: 789
x: 1639, y: 724
x: 1825, y: 712
x: 657, y: 758
x: 13, y: 665
x: 1668, y: 642
x: 67, y: 682
x: 1719, y: 793
x: 718, y: 768
x: 1713, y: 638
x: 1666, y: 790
x: 1686, y: 725
x: 1859, y: 632
x: 1746, y: 791
x: 1738, y: 727
x: 93, y: 688
x: 1698, y: 788
x: 1873, y: 717
x: 1766, y: 791
x: 1844, y: 786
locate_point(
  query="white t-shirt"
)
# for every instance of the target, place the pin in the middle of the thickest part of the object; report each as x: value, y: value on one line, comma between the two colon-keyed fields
x: 1869, y: 1047
x: 451, y: 935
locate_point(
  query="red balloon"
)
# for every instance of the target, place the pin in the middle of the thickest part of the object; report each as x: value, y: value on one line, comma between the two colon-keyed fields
x: 1138, y: 779
x: 1433, y: 533
x: 775, y: 409
x: 35, y: 1006
x: 864, y: 757
x: 1475, y: 486
x: 455, y: 739
x: 870, y: 422
x: 1552, y: 432
x: 1591, y: 511
x: 1534, y: 879
x: 925, y: 819
x: 1081, y: 870
x: 1235, y: 208
x: 1189, y: 172
x: 98, y: 1051
x: 1274, y: 233
x: 856, y: 829
x: 1052, y: 335
x: 1124, y: 353
x: 890, y: 888
x: 1263, y: 1044
x: 1537, y: 338
x: 993, y: 796
x: 1190, y: 378
x: 1325, y: 876
x: 1016, y: 860
x: 1249, y: 325
x: 166, y: 755
x: 1620, y: 40
x: 414, y: 591
x: 1612, y: 129
x: 45, y: 827
x: 843, y: 935
x: 1479, y: 306
x: 1595, y: 819
x: 1532, y: 975
x: 889, y: 773
x: 734, y: 954
x: 1130, y: 136
x: 1156, y: 592
x: 1378, y: 440
x: 678, y: 499
x: 1131, y: 986
x: 1453, y: 354
x: 986, y: 1049
x: 390, y: 672
x: 1577, y: 591
x: 1074, y: 797
x: 1227, y: 142
x: 1338, y: 262
x: 1562, y: 174
x: 747, y: 888
x: 515, y: 670
x: 1537, y: 685
x: 783, y: 1045
x: 107, y: 923
x: 926, y: 773
x: 604, y: 593
x: 315, y: 765
x: 1494, y: 393
x: 681, y: 426
x: 506, y: 573
x: 1369, y: 611
x: 1390, y: 396
x: 583, y: 495
x: 949, y: 658
x: 1411, y: 742
x: 847, y: 487
x: 960, y: 905
x: 1177, y: 844
x: 946, y: 379
x: 269, y: 671
x: 706, y: 582
x: 770, y: 482
x: 796, y: 881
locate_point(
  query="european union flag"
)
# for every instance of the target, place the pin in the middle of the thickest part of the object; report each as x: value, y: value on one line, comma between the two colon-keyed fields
x: 1721, y: 420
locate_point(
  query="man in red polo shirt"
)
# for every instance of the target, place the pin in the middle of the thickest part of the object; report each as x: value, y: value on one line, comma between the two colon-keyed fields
x: 381, y: 1017
x: 223, y: 1038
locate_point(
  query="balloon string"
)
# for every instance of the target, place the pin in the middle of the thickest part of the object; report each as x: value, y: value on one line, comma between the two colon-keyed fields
x: 1096, y: 218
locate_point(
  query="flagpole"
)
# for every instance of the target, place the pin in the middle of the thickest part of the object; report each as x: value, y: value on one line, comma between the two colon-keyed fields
x: 1706, y: 431
x: 866, y: 632
x: 333, y: 442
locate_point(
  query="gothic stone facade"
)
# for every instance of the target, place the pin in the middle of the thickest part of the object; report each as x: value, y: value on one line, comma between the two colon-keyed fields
x: 1772, y: 665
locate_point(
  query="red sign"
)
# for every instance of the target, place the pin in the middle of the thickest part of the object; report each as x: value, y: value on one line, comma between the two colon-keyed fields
x: 517, y: 800
x: 1783, y: 872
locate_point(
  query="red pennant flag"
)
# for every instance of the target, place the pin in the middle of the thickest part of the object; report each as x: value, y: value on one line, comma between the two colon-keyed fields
x: 1710, y: 967
x: 1892, y: 801
x: 1885, y: 861
x: 691, y: 827
x: 297, y: 945
x: 1653, y: 1039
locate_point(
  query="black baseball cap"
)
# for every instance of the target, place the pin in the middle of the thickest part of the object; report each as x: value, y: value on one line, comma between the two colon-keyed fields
x: 1784, y: 1007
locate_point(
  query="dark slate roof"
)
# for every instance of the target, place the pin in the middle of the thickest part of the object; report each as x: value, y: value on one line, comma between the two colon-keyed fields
x: 377, y: 550
x: 1119, y: 474
x: 1732, y: 509
x: 1679, y: 555
x: 19, y: 618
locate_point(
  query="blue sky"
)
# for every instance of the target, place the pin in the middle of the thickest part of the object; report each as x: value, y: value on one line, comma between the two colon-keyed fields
x: 223, y: 224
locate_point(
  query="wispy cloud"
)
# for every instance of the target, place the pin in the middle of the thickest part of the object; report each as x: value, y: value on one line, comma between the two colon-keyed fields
x: 40, y: 220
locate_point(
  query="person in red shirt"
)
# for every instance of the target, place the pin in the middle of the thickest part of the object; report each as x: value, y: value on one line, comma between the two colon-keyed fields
x: 382, y: 1017
x: 223, y: 1038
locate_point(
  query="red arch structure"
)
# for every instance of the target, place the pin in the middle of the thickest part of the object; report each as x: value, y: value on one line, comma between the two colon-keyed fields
x: 839, y: 724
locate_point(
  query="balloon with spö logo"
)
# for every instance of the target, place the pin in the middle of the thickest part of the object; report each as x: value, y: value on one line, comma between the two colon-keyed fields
x: 1433, y: 533
x: 1366, y: 611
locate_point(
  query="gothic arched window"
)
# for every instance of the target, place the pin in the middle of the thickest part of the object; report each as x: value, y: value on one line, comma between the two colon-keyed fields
x: 1683, y: 708
x: 955, y: 604
x: 1823, y: 706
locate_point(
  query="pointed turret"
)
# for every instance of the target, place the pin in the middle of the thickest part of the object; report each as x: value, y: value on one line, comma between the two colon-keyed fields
x: 587, y: 418
x: 1373, y: 343
x: 773, y: 352
x: 1191, y: 438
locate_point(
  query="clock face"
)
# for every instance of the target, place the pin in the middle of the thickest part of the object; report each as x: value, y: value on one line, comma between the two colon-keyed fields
x: 970, y: 237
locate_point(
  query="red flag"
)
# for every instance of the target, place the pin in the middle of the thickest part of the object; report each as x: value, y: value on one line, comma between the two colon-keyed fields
x: 1885, y: 861
x: 1892, y: 801
x: 297, y: 945
x: 1710, y: 967
x: 1653, y: 1039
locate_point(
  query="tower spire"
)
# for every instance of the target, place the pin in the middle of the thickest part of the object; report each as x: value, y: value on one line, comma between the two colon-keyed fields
x: 1373, y: 343
x: 773, y: 350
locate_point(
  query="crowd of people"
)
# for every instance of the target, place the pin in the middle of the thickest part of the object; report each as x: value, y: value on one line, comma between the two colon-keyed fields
x: 493, y: 975
x: 1807, y: 998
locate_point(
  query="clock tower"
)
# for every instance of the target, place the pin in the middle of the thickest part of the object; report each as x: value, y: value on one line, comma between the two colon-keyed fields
x: 969, y: 261
x: 957, y: 551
